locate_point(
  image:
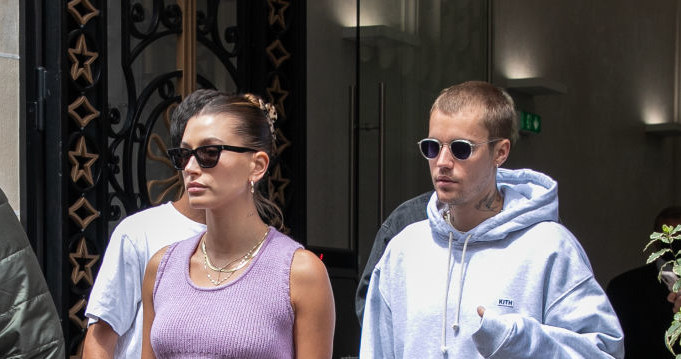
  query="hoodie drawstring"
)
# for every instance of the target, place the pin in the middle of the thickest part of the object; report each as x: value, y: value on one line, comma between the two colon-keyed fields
x: 455, y: 326
x: 444, y: 315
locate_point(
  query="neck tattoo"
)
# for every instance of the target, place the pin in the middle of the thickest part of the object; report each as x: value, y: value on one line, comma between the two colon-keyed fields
x: 492, y: 202
x: 231, y: 267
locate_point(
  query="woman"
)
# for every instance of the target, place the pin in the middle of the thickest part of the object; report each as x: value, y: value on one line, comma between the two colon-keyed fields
x: 241, y: 289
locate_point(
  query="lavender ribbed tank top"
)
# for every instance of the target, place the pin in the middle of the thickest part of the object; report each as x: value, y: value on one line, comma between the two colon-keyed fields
x: 250, y: 317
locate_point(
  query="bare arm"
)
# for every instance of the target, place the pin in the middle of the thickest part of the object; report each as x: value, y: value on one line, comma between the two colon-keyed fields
x: 100, y: 341
x: 148, y: 303
x: 312, y: 300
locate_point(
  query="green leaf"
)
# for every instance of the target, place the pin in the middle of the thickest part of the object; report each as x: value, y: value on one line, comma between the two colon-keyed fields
x: 665, y: 239
x: 676, y: 229
x: 649, y: 243
x: 671, y: 336
x: 678, y: 356
x: 657, y: 254
x: 677, y: 316
x: 677, y: 269
x: 677, y: 285
x: 656, y: 235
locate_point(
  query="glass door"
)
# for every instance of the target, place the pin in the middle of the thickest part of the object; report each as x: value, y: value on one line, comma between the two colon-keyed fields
x: 331, y: 109
x: 373, y: 70
x: 409, y: 50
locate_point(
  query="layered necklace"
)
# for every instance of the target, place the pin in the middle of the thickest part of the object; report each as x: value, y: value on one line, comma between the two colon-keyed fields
x: 230, y: 268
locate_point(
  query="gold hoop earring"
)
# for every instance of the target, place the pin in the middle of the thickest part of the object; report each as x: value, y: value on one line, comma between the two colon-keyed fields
x: 252, y: 187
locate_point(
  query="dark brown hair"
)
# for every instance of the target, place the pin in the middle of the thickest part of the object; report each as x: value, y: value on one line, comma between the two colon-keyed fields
x: 254, y: 125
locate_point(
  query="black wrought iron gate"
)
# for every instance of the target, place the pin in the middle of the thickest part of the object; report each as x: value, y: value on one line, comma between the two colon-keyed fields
x: 87, y: 163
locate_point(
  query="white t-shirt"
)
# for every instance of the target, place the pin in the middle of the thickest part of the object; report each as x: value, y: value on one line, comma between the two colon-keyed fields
x: 116, y: 296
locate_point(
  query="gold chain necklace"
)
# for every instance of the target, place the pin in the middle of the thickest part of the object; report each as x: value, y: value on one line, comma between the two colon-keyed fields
x: 242, y: 261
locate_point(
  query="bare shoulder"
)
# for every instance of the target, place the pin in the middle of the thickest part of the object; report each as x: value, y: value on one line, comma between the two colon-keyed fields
x: 310, y: 285
x: 307, y: 267
x: 154, y: 261
x: 313, y: 306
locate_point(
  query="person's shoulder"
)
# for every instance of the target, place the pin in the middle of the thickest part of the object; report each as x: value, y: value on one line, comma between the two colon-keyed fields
x: 307, y: 269
x: 419, y: 200
x: 551, y: 239
x: 156, y: 260
x: 158, y: 256
x: 409, y: 211
x: 163, y: 223
x: 550, y: 234
x: 413, y: 239
x: 144, y: 216
x: 283, y: 240
x: 411, y: 232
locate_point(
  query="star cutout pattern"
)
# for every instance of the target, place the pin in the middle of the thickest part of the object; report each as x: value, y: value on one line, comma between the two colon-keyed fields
x: 86, y: 69
x: 90, y: 111
x: 93, y: 213
x: 276, y: 184
x: 82, y: 19
x: 79, y: 351
x: 73, y: 314
x: 277, y: 9
x: 277, y: 53
x: 277, y: 95
x: 85, y: 172
x: 281, y: 144
x: 79, y: 272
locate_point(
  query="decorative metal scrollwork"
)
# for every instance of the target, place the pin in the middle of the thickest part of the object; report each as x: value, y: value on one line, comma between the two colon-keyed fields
x: 81, y: 60
x: 143, y: 175
x: 87, y: 209
x: 278, y: 54
x: 75, y: 318
x: 80, y: 272
x: 83, y: 170
x: 84, y: 96
x: 277, y: 12
x: 82, y: 17
x: 82, y: 111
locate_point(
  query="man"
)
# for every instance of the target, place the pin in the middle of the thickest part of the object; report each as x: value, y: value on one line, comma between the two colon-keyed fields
x: 641, y: 301
x: 411, y: 211
x: 115, y: 304
x: 29, y: 324
x: 490, y: 273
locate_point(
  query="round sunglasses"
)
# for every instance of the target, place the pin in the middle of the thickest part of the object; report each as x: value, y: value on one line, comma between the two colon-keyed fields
x: 461, y: 149
x: 206, y: 156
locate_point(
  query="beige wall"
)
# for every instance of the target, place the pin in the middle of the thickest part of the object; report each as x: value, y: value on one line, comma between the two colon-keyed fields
x: 9, y: 101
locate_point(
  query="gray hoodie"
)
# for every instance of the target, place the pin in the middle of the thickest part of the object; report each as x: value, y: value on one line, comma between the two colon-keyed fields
x: 528, y: 271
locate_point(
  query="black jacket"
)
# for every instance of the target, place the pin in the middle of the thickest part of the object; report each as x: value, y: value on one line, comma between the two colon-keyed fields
x: 640, y: 302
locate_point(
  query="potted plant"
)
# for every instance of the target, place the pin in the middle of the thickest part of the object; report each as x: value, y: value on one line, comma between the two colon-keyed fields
x: 665, y: 238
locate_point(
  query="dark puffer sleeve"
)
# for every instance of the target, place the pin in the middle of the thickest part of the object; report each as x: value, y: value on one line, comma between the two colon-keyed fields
x: 29, y: 325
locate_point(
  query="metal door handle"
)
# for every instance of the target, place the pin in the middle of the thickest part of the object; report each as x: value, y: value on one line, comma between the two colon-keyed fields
x: 381, y: 151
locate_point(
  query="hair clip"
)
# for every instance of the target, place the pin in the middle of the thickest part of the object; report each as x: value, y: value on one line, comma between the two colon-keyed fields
x: 270, y: 114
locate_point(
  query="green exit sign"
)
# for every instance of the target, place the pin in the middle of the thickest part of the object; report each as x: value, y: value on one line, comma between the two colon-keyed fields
x: 529, y: 122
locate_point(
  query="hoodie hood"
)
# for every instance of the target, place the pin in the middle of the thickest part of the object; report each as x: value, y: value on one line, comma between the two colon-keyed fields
x: 530, y: 197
